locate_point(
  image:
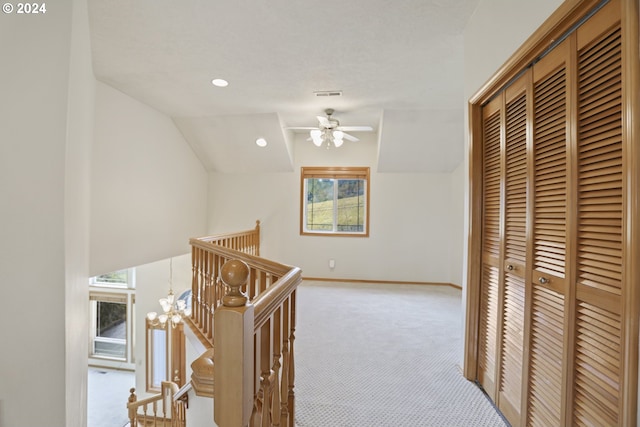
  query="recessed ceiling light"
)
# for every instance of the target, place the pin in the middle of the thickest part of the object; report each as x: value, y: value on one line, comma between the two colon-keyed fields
x: 261, y: 142
x: 220, y: 82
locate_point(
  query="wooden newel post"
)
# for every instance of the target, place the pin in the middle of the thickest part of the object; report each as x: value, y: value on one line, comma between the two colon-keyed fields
x: 233, y: 360
x: 132, y: 409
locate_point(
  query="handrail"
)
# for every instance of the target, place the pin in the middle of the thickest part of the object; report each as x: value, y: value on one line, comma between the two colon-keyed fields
x: 148, y: 410
x: 207, y: 256
x: 259, y: 263
x: 247, y: 241
x: 183, y: 391
x: 268, y: 302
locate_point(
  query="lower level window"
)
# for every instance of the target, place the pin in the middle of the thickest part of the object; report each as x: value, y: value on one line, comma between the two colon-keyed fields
x: 111, y: 329
x: 335, y: 201
x: 111, y: 320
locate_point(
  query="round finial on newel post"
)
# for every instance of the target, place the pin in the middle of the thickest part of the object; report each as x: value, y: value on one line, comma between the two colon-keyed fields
x: 234, y: 275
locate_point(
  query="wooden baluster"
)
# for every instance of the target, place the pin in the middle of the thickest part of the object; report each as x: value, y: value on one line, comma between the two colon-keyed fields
x: 275, y: 395
x: 266, y: 363
x: 145, y: 412
x: 251, y: 285
x: 154, y: 408
x: 204, y: 285
x: 202, y: 309
x: 292, y: 369
x: 194, y: 283
x: 256, y: 417
x: 165, y: 394
x: 202, y: 289
x: 220, y: 286
x: 263, y: 283
x: 199, y: 301
x: 132, y: 410
x: 284, y: 385
x: 215, y: 297
x: 257, y: 237
x: 210, y: 293
x: 204, y: 294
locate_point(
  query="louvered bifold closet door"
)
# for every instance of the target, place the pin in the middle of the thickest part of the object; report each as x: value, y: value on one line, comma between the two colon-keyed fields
x: 490, y: 280
x: 598, y: 343
x: 515, y: 251
x: 549, y: 239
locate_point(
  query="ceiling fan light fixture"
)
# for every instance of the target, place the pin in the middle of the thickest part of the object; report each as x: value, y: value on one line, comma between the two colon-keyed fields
x: 316, y: 137
x: 330, y: 131
x: 337, y: 138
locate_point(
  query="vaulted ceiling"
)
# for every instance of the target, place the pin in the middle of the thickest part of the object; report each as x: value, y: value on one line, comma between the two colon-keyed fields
x: 398, y: 65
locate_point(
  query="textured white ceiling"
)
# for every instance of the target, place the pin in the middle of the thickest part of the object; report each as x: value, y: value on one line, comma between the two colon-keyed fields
x: 399, y: 65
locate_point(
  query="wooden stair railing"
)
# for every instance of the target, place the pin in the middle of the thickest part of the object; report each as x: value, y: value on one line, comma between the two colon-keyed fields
x: 254, y: 359
x: 253, y: 302
x: 166, y: 409
x: 207, y: 256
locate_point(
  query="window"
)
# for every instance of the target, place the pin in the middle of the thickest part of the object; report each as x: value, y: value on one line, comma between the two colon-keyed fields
x: 111, y: 319
x: 116, y: 279
x: 166, y: 354
x: 110, y: 339
x: 334, y: 201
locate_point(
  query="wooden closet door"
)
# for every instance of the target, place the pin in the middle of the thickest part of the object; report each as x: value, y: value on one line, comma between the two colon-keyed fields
x: 512, y: 297
x: 598, y: 305
x: 491, y: 248
x: 571, y: 265
x: 549, y: 240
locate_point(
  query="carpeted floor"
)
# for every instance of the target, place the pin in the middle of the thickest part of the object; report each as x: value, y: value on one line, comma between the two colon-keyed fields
x: 383, y: 355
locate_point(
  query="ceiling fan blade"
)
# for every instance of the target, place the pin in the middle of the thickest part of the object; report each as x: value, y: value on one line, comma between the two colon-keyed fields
x: 324, y: 122
x: 350, y: 137
x: 300, y: 127
x: 355, y: 128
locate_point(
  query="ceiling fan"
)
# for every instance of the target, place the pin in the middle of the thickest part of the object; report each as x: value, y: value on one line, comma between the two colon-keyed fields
x: 330, y: 131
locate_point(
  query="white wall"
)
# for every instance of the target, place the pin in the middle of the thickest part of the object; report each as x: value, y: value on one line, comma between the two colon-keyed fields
x: 148, y: 189
x: 77, y: 204
x: 410, y: 221
x: 45, y: 133
x: 495, y: 31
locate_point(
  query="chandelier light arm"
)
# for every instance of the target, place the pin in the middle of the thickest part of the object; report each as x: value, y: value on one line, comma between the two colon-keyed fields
x: 172, y: 310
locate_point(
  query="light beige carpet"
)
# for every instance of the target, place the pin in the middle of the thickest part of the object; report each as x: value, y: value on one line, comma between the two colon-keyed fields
x: 383, y: 355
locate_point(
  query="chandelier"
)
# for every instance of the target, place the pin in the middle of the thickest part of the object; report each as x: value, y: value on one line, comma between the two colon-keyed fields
x: 172, y: 310
x: 328, y: 136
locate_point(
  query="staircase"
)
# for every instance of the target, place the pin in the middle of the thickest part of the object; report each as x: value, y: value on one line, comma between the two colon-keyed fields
x: 247, y: 303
